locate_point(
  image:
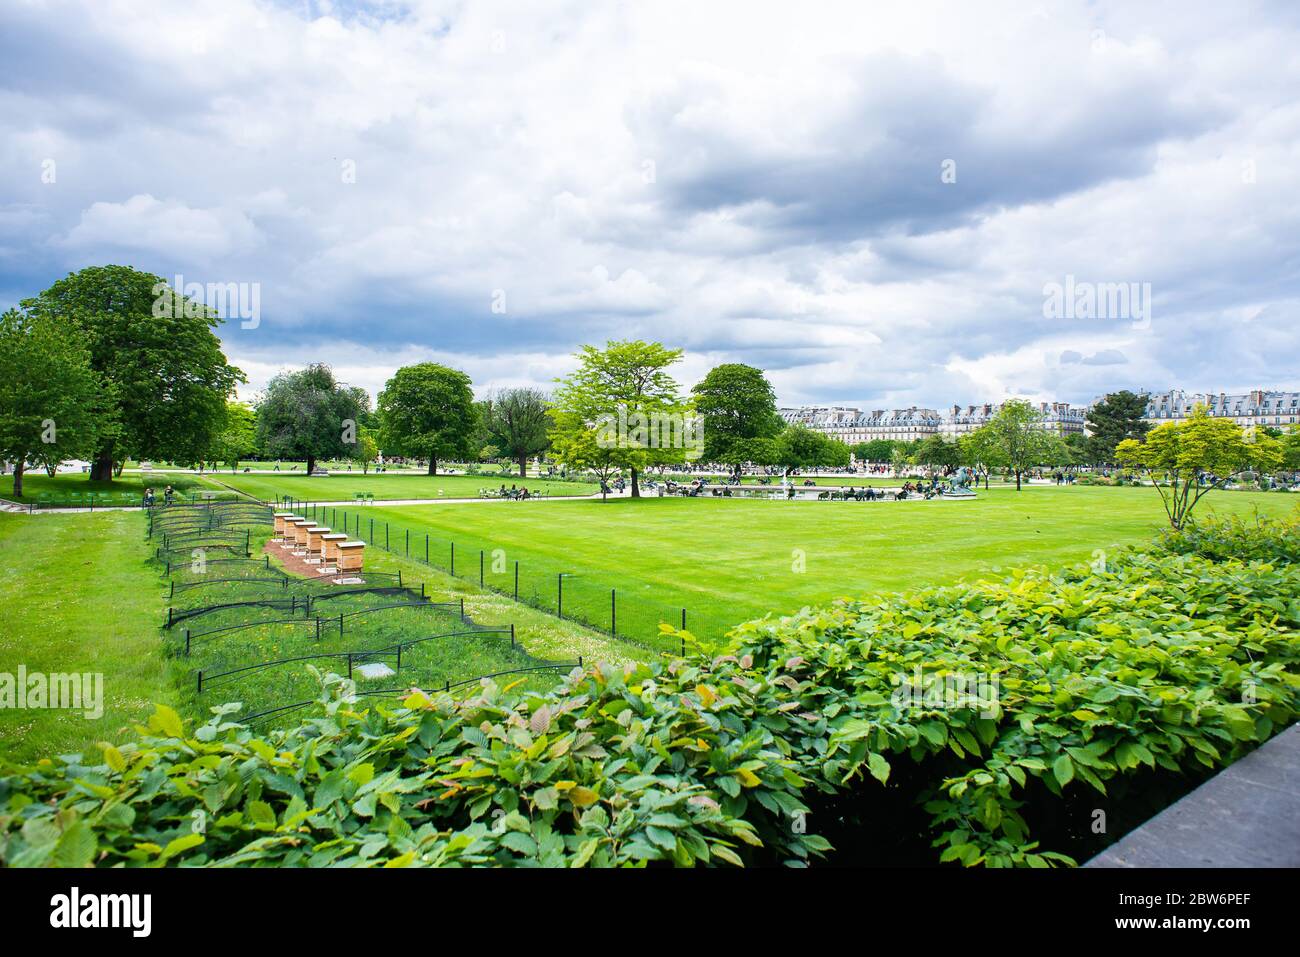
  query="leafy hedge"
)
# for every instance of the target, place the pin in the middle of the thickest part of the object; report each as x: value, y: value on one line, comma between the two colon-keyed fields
x: 1274, y: 540
x: 1153, y: 668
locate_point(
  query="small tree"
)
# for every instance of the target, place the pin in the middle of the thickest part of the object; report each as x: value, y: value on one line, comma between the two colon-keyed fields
x: 1015, y: 439
x: 427, y: 411
x: 517, y: 421
x: 574, y: 443
x: 237, y: 438
x: 49, y: 394
x: 1118, y: 416
x: 735, y: 403
x: 937, y: 452
x: 1189, y: 459
x: 799, y: 447
x: 308, y: 414
x: 625, y: 397
x: 366, y: 449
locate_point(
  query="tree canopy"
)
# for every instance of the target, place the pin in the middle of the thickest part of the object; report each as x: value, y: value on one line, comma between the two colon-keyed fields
x: 309, y: 414
x: 517, y: 422
x: 1015, y: 439
x: 50, y: 397
x: 735, y: 403
x: 1190, y: 458
x: 163, y: 375
x: 427, y: 411
x: 624, y: 397
x: 1118, y: 416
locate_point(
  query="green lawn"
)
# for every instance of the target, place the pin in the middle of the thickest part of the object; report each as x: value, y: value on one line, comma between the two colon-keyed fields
x: 344, y: 486
x: 79, y: 596
x: 75, y: 489
x: 726, y: 561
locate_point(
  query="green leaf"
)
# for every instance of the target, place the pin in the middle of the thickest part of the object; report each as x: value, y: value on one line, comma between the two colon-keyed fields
x: 1063, y: 770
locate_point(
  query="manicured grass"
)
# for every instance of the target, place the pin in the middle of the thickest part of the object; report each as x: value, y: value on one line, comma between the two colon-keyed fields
x: 728, y: 560
x: 127, y: 490
x: 343, y: 487
x: 80, y: 596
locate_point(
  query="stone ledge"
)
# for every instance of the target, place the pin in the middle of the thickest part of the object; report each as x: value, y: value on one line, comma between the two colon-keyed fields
x: 1247, y: 815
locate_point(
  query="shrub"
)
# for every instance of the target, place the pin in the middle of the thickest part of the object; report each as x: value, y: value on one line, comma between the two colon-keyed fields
x: 620, y: 767
x: 1274, y: 540
x: 1169, y: 663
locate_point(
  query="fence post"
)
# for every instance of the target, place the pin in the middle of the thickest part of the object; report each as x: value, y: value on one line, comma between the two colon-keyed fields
x: 408, y: 543
x: 480, y: 568
x: 613, y: 612
x: 200, y: 676
x: 318, y: 629
x: 512, y: 634
x: 349, y: 666
x: 559, y: 595
x: 171, y: 593
x: 462, y: 608
x: 399, y: 657
x: 386, y: 548
x: 372, y: 529
x: 426, y: 548
x: 516, y: 581
x: 169, y: 616
x: 187, y: 642
x: 341, y: 633
x: 453, y: 558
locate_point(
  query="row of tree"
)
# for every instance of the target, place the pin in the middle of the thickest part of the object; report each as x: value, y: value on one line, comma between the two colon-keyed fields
x: 93, y: 367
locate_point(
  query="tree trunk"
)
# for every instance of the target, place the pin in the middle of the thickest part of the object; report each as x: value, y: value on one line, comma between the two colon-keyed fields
x: 1017, y: 480
x: 102, y: 468
x: 523, y: 466
x: 311, y: 464
x: 117, y: 469
x: 18, y: 477
x: 433, y: 465
x: 636, y: 489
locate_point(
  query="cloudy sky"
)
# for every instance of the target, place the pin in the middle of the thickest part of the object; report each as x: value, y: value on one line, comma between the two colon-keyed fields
x: 869, y: 201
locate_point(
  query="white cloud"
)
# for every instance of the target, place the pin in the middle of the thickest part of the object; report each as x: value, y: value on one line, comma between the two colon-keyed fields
x: 746, y: 180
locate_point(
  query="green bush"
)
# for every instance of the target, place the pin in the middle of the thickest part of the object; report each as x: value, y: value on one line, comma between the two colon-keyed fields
x: 1156, y: 662
x: 622, y: 767
x: 1274, y: 540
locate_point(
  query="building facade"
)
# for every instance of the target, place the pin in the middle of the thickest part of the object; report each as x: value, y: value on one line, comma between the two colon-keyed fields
x: 853, y: 426
x: 1258, y: 407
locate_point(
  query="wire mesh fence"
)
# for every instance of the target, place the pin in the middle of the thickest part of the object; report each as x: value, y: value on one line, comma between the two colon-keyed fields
x: 631, y: 613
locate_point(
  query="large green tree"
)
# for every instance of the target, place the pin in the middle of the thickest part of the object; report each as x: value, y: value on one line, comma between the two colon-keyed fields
x: 50, y: 397
x: 1188, y: 459
x: 1015, y: 439
x: 624, y: 396
x: 309, y: 414
x: 735, y: 403
x: 876, y: 450
x: 164, y: 378
x: 1118, y: 416
x: 427, y: 411
x: 517, y: 422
